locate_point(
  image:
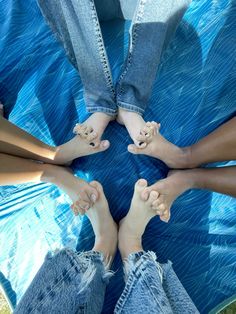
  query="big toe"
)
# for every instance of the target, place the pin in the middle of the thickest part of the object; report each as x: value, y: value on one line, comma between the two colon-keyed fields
x: 98, y: 187
x: 99, y: 146
x: 104, y: 145
x: 133, y: 149
x: 140, y: 185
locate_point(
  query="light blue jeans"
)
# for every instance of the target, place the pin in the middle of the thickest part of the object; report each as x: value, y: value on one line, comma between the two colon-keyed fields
x: 76, y: 25
x: 75, y: 283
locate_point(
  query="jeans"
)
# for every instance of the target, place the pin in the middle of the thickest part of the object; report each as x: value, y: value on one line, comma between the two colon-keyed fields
x: 76, y: 25
x: 70, y: 282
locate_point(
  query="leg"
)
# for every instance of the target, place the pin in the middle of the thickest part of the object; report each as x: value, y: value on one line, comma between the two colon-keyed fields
x: 76, y: 25
x: 16, y: 170
x: 69, y: 282
x: 149, y: 30
x: 220, y: 180
x: 144, y: 290
x: 220, y: 145
x: 17, y: 142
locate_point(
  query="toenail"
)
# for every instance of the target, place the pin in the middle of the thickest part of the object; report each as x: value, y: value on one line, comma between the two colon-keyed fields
x: 141, y: 143
x: 141, y: 183
x: 92, y: 144
x: 93, y: 198
x: 105, y: 144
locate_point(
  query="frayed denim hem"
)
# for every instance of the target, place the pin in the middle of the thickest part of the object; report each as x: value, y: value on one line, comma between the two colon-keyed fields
x: 130, y: 107
x: 108, y: 111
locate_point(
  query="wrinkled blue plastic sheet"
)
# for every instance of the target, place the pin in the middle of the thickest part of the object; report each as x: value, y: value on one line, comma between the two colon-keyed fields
x: 194, y: 93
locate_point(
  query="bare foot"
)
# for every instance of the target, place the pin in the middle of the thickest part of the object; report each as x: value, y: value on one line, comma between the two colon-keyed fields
x: 132, y: 227
x: 158, y: 147
x: 134, y: 124
x: 78, y: 147
x: 95, y: 125
x: 82, y: 194
x: 104, y: 227
x: 177, y: 182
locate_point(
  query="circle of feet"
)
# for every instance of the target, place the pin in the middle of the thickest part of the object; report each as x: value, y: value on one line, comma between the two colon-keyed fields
x: 145, y: 142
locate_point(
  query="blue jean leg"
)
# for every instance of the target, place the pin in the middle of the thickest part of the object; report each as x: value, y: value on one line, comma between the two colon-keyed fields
x: 144, y: 291
x: 66, y: 283
x: 179, y: 299
x: 75, y: 24
x: 154, y: 23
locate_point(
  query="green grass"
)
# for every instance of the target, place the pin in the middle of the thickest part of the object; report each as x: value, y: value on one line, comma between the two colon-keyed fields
x: 231, y: 309
x: 4, y: 308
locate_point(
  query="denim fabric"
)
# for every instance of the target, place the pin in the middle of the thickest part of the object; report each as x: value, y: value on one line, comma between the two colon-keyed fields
x: 152, y: 27
x: 76, y: 25
x: 66, y: 283
x: 152, y: 288
x: 69, y: 282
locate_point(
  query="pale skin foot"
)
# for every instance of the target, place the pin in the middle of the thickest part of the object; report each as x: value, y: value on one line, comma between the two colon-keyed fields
x: 94, y: 127
x: 132, y: 227
x: 104, y: 227
x: 88, y: 139
x: 79, y: 147
x: 134, y: 124
x: 176, y: 183
x: 158, y: 147
x: 82, y: 194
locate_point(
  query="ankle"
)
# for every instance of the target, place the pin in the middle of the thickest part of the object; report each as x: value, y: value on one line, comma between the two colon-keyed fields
x: 108, y: 250
x: 62, y: 155
x: 129, y: 244
x: 188, y: 158
x: 52, y: 173
x: 189, y: 178
x: 195, y: 178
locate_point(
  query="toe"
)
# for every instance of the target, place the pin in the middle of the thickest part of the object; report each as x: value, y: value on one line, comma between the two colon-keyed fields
x: 166, y: 216
x: 77, y: 209
x: 142, y: 144
x: 155, y: 204
x: 82, y: 205
x: 140, y: 185
x: 162, y: 208
x: 91, y: 136
x: 88, y: 130
x: 141, y: 141
x: 84, y: 194
x: 79, y: 129
x: 147, y: 131
x: 98, y: 187
x: 91, y: 192
x: 145, y: 194
x: 99, y: 146
x: 153, y: 196
x: 133, y: 149
x: 141, y: 138
x: 104, y: 145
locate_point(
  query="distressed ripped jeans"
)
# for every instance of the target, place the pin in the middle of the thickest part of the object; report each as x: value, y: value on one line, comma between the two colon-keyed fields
x: 71, y: 283
x: 76, y: 25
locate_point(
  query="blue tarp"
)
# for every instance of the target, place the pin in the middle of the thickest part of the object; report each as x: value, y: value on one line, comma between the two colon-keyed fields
x: 194, y: 93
